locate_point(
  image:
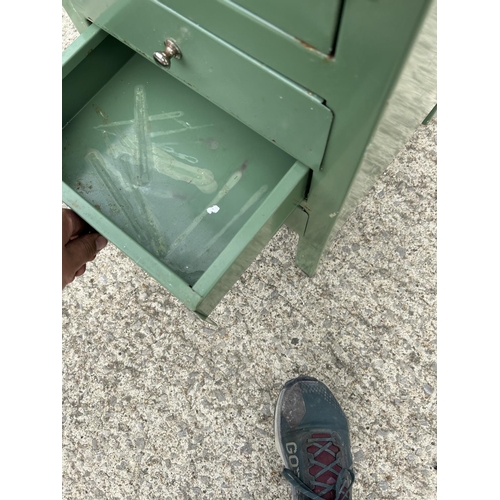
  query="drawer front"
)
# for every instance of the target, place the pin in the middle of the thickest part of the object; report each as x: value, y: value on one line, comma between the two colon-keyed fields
x: 314, y: 22
x: 279, y: 110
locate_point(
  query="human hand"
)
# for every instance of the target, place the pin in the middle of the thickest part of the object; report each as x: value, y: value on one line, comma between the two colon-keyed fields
x: 78, y: 248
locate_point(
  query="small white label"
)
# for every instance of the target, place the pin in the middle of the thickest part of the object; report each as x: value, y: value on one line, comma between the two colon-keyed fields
x: 213, y: 210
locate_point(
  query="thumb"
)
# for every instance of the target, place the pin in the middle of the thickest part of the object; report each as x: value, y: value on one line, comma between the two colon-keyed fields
x: 84, y: 249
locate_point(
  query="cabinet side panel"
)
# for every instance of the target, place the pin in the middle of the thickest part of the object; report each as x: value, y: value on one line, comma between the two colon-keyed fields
x: 412, y: 99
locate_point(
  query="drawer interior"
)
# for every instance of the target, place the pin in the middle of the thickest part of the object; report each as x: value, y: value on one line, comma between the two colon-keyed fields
x: 159, y: 168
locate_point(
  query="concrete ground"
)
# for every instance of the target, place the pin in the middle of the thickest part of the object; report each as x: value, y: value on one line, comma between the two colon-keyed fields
x: 159, y: 405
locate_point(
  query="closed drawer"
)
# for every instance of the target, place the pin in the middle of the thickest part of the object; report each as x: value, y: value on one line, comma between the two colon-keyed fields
x: 187, y: 191
x: 313, y: 22
x: 279, y: 110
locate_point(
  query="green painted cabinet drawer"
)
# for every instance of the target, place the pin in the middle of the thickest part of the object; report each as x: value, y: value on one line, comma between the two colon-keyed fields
x: 314, y: 22
x: 275, y: 107
x: 187, y: 191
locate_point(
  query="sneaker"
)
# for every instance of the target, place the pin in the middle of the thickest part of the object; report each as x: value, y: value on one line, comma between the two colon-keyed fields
x: 312, y: 437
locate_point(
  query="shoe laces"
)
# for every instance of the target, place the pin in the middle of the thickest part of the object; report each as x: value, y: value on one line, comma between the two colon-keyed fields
x: 330, y: 480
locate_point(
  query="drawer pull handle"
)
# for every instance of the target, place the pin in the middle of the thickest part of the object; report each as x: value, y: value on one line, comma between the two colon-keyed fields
x: 171, y: 50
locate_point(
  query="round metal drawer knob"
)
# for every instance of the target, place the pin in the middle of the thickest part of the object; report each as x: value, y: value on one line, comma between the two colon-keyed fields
x: 171, y: 50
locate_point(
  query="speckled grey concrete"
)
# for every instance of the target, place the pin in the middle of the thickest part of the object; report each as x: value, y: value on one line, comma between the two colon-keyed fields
x: 159, y: 405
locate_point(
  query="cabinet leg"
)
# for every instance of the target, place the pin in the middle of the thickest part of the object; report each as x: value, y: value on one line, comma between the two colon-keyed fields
x: 430, y: 116
x: 308, y: 256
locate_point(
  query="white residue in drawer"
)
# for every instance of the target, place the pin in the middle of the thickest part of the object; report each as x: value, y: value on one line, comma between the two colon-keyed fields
x: 213, y: 210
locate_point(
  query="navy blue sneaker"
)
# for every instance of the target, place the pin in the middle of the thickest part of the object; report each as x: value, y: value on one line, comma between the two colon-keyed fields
x: 312, y: 437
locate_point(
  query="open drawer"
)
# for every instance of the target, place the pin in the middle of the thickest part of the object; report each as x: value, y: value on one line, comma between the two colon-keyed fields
x: 187, y: 191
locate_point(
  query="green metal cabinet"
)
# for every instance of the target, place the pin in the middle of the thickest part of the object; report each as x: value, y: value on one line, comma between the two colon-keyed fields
x: 274, y: 113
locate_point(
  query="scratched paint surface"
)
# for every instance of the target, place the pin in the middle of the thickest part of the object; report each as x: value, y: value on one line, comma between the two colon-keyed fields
x: 155, y: 157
